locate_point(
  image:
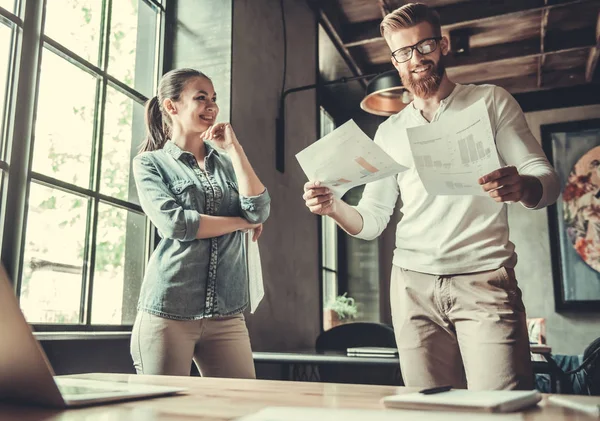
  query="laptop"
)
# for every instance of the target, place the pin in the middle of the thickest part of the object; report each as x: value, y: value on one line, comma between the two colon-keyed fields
x: 26, y: 375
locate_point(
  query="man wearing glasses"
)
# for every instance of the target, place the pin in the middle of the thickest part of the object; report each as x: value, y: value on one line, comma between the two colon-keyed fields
x: 456, y: 307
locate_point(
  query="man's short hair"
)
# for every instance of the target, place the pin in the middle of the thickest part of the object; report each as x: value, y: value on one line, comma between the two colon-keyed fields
x: 409, y: 15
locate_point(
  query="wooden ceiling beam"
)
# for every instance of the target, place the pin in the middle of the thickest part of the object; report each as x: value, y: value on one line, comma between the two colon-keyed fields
x: 554, y: 43
x: 528, y: 83
x: 495, y: 52
x: 516, y: 60
x: 553, y: 98
x: 542, y: 59
x: 594, y: 56
x: 331, y: 23
x: 384, y: 7
x: 517, y: 84
x: 454, y: 16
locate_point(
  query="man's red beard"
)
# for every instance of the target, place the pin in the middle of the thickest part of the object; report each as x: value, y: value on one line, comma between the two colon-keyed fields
x: 425, y: 87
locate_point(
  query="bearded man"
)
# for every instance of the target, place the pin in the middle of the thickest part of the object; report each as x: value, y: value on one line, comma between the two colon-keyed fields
x: 457, y: 310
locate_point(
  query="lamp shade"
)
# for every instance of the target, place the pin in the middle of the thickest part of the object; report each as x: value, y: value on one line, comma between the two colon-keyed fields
x: 385, y: 94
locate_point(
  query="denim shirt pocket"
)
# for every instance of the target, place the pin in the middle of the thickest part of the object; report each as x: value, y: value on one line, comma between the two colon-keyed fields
x: 186, y: 194
x: 234, y: 198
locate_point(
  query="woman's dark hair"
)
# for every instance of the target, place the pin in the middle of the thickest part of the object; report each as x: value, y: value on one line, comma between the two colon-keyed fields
x: 158, y: 122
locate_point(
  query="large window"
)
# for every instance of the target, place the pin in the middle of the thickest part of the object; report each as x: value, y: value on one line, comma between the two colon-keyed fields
x: 10, y: 27
x: 348, y: 265
x: 85, y: 239
x: 329, y: 235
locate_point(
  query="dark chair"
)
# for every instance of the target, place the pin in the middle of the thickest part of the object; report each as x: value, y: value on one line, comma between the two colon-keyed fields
x: 358, y: 334
x: 577, y: 374
x: 591, y: 358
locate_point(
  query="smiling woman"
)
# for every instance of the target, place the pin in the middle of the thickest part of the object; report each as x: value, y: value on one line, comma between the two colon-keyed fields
x: 200, y: 200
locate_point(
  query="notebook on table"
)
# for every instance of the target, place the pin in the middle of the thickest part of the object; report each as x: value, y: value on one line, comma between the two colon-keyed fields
x: 372, y: 351
x: 587, y: 404
x: 26, y: 375
x: 466, y: 400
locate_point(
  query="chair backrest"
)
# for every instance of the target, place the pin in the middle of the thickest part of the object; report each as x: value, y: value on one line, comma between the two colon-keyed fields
x: 591, y: 358
x: 357, y: 334
x: 349, y: 335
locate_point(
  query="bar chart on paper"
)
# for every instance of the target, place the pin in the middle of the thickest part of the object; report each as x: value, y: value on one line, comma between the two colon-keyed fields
x: 346, y: 158
x: 450, y: 155
x: 367, y: 169
x: 364, y: 168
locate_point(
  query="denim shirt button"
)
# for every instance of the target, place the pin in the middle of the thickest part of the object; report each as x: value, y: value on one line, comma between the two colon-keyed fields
x: 248, y: 206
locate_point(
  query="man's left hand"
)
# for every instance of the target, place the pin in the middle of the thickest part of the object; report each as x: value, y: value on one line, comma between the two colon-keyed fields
x: 503, y: 185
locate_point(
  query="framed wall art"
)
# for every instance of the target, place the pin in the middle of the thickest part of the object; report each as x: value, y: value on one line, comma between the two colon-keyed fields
x: 573, y: 149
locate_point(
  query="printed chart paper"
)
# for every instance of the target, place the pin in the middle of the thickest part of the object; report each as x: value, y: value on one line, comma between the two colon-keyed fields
x: 346, y: 158
x: 450, y: 155
x: 255, y: 279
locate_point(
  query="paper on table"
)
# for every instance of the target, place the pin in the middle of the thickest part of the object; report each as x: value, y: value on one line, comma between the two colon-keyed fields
x: 255, y: 279
x: 450, y: 155
x: 346, y: 158
x: 472, y: 400
x: 329, y: 414
x: 587, y: 404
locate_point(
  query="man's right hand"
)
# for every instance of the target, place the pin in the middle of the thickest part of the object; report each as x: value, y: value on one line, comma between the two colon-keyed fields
x: 319, y: 199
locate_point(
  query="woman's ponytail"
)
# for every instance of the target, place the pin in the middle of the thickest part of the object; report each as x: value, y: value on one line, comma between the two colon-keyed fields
x: 156, y: 135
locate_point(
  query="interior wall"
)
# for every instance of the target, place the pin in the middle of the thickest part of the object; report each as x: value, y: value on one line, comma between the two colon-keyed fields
x: 289, y: 316
x: 202, y: 39
x: 567, y: 333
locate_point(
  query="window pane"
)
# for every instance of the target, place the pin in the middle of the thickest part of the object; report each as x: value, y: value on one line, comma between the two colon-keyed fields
x: 5, y: 36
x: 329, y: 238
x: 123, y: 132
x: 3, y: 180
x: 65, y: 121
x: 53, y: 258
x: 133, y: 44
x: 327, y: 123
x: 120, y: 258
x: 330, y: 287
x: 76, y: 25
x: 363, y: 269
x: 8, y: 5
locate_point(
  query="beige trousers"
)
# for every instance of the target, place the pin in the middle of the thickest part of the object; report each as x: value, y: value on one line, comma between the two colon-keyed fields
x: 219, y: 346
x: 461, y: 330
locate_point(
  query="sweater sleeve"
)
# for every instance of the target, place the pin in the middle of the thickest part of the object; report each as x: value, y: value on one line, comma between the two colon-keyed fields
x: 518, y: 147
x: 378, y: 201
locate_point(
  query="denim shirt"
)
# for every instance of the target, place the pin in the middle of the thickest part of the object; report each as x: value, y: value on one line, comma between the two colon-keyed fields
x: 188, y: 278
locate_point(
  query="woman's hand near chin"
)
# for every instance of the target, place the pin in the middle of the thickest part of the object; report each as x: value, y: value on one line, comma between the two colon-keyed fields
x: 222, y: 135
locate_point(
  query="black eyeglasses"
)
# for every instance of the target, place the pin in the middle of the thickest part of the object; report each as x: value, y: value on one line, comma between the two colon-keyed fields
x: 426, y: 46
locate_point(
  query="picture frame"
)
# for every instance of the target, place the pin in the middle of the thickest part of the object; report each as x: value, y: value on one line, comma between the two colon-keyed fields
x: 573, y: 149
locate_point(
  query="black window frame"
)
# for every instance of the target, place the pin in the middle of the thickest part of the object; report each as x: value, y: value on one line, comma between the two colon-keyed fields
x: 27, y: 44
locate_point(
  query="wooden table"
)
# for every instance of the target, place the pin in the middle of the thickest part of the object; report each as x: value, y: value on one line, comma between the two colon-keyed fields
x: 227, y: 399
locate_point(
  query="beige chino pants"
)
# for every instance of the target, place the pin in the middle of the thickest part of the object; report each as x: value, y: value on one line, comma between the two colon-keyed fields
x: 219, y: 346
x: 461, y: 330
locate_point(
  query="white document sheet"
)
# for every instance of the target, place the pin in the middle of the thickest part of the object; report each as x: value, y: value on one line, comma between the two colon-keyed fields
x: 329, y: 414
x: 450, y: 155
x: 346, y: 158
x: 255, y: 279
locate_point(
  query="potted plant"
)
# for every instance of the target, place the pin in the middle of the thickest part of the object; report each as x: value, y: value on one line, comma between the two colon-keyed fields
x: 338, y: 311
